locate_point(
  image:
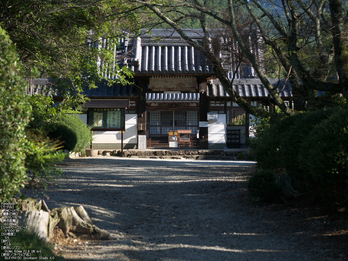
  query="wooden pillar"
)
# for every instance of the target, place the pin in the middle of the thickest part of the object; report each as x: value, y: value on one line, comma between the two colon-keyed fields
x: 122, y: 143
x: 203, y: 111
x: 225, y: 108
x: 247, y: 123
x: 141, y: 106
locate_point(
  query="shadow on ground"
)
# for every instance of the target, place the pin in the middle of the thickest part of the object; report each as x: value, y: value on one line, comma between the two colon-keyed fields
x: 189, y: 210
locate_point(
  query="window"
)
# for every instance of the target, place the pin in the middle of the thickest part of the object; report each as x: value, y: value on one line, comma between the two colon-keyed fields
x: 110, y: 119
x: 191, y: 118
x: 155, y: 118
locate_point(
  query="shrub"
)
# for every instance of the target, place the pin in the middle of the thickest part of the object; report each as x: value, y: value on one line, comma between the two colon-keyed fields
x: 72, y: 131
x: 262, y: 186
x: 240, y: 156
x: 14, y: 116
x: 324, y: 157
x: 310, y: 148
x: 43, y: 112
x: 64, y: 133
x: 266, y: 146
x: 291, y: 143
x: 33, y: 244
x: 239, y: 120
x: 42, y: 154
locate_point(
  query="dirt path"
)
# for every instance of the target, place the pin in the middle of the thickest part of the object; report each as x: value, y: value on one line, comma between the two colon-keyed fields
x: 188, y: 210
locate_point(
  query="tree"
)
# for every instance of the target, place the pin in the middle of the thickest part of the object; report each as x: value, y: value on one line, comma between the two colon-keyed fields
x: 14, y: 116
x: 54, y: 39
x: 307, y: 38
x: 61, y: 39
x: 309, y: 41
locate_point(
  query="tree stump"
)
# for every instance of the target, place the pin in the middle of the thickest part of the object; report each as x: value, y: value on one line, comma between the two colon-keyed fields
x: 73, y: 221
x: 37, y: 222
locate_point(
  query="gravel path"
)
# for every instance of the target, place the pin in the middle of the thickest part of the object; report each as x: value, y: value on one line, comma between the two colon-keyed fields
x: 188, y: 210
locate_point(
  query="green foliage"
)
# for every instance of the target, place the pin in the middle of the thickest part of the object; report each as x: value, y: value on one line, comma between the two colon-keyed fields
x: 33, y: 244
x: 72, y: 132
x: 291, y: 145
x: 323, y: 158
x: 42, y: 154
x: 51, y: 36
x: 239, y: 120
x: 267, y: 143
x: 14, y: 116
x: 311, y: 149
x: 262, y: 186
x: 57, y: 123
x: 240, y: 156
x: 65, y: 134
x: 61, y: 40
x: 43, y: 112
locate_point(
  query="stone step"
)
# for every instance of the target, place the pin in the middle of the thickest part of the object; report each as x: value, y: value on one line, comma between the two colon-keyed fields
x: 229, y: 154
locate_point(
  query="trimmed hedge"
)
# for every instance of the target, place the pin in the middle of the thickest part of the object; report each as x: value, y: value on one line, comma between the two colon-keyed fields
x: 323, y: 159
x: 266, y: 147
x: 312, y: 149
x: 291, y: 144
x: 72, y: 131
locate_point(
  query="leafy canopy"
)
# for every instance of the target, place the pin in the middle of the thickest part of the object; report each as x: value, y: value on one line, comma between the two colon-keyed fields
x: 61, y: 39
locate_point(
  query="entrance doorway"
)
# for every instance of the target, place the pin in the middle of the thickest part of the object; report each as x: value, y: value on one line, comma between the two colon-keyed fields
x: 161, y: 122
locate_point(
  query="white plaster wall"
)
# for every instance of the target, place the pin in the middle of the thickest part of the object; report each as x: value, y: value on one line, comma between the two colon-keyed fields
x: 129, y: 136
x: 105, y: 137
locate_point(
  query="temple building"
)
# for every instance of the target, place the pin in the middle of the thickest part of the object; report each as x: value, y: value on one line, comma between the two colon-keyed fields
x: 174, y: 93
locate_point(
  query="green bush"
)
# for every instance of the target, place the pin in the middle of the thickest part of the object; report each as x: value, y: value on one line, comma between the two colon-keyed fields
x: 262, y: 186
x: 240, y: 156
x: 266, y: 146
x: 14, y: 116
x: 42, y: 154
x: 324, y: 157
x: 291, y: 143
x: 310, y: 148
x: 72, y: 131
x: 33, y: 244
x: 43, y: 112
x: 65, y: 134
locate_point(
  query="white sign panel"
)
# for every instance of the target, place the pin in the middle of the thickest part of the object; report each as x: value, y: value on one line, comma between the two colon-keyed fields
x: 217, y: 130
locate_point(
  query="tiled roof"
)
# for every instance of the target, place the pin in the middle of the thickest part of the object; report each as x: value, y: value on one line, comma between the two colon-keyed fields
x: 106, y: 103
x: 114, y: 91
x: 164, y: 51
x: 246, y: 88
x: 252, y: 88
x: 49, y: 87
x: 41, y: 86
x: 249, y: 88
x: 171, y: 59
x: 172, y: 97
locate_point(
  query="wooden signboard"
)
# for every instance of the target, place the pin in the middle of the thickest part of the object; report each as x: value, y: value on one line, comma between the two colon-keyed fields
x: 170, y: 83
